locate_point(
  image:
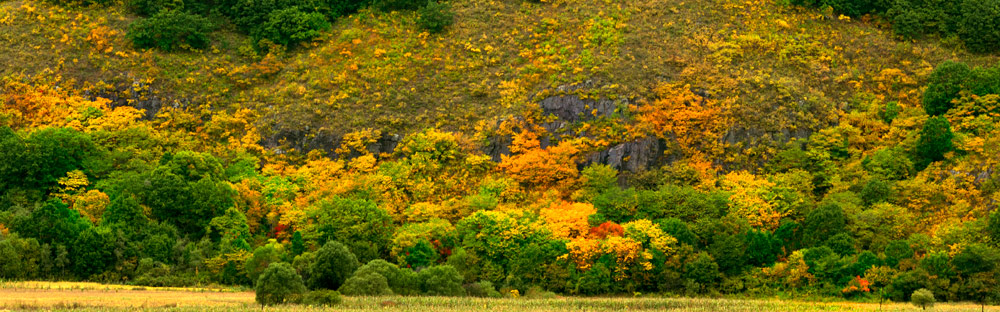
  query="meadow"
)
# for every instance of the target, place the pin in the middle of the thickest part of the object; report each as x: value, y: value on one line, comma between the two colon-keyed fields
x: 62, y: 296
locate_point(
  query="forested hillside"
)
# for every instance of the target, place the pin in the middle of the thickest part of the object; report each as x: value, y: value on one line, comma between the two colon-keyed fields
x: 494, y: 147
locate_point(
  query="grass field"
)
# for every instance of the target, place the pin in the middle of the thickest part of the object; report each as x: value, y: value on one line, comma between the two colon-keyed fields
x: 96, y: 297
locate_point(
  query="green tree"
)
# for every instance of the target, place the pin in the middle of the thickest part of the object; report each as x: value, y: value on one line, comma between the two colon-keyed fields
x: 93, y: 251
x: 53, y: 223
x: 298, y: 244
x: 824, y: 222
x: 876, y: 191
x: 979, y: 25
x: 702, y: 270
x: 935, y: 140
x: 19, y: 257
x: 124, y: 210
x: 842, y: 244
x: 597, y: 280
x: 279, y: 284
x: 922, y: 298
x: 360, y: 221
x: 944, y: 84
x: 763, y: 248
x: 896, y: 251
x: 333, y: 265
x: 262, y: 258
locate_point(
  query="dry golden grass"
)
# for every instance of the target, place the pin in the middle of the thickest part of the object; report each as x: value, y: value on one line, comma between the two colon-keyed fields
x: 121, y: 298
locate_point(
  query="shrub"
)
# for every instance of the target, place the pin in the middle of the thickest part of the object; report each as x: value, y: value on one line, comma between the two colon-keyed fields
x: 249, y: 15
x: 279, y: 284
x: 435, y: 17
x: 483, y: 289
x: 169, y: 30
x: 290, y: 26
x: 595, y: 281
x: 368, y: 284
x: 922, y: 298
x: 442, y: 280
x: 400, y: 280
x: 333, y: 265
x: 322, y: 297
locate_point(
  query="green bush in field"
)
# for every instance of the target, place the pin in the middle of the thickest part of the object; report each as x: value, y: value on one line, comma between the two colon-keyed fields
x: 922, y: 298
x: 367, y: 284
x: 279, y: 284
x: 322, y: 297
x: 291, y: 25
x: 442, y: 280
x: 400, y: 280
x: 435, y: 16
x: 170, y: 30
x: 482, y: 289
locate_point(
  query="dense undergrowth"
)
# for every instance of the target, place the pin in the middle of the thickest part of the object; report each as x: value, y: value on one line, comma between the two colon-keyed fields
x: 804, y: 151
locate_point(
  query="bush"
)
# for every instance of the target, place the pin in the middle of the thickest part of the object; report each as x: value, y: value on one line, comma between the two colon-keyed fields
x: 169, y: 30
x: 400, y: 280
x: 922, y: 298
x: 333, y: 265
x: 291, y: 25
x: 435, y: 17
x: 369, y: 284
x: 482, y: 289
x: 442, y: 280
x: 279, y: 284
x: 595, y: 281
x: 248, y: 15
x: 322, y: 297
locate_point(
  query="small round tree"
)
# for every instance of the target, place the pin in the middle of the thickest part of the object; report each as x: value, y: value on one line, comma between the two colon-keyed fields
x: 922, y: 298
x: 333, y: 265
x: 369, y: 284
x: 441, y: 280
x: 279, y: 284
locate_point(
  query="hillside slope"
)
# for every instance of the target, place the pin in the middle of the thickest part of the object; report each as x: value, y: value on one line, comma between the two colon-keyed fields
x: 582, y: 147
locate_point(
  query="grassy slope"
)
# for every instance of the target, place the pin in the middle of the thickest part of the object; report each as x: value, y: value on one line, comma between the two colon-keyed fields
x: 774, y: 68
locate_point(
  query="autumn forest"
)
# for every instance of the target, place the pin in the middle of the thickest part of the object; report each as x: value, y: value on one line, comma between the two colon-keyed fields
x: 494, y: 148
